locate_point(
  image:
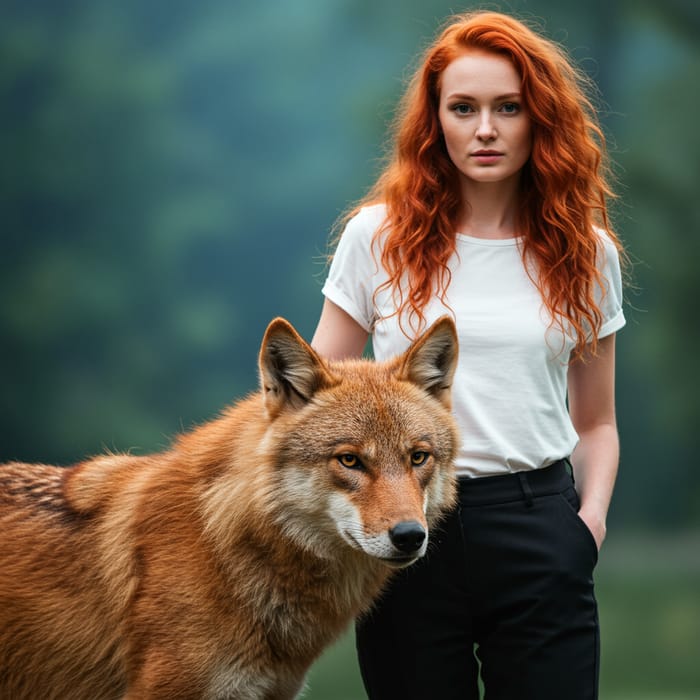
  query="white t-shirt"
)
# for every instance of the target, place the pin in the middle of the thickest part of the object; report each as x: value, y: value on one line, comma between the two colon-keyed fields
x: 509, y: 393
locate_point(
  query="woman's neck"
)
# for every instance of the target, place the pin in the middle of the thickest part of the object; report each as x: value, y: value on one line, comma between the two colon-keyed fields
x: 489, y: 210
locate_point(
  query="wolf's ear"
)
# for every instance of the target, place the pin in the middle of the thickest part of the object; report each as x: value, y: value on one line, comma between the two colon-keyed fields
x: 290, y: 371
x: 432, y: 360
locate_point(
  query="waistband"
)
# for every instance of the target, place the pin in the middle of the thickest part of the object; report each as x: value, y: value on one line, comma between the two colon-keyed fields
x: 516, y: 486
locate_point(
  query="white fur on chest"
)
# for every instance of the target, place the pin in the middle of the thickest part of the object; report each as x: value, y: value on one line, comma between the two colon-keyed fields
x: 229, y: 682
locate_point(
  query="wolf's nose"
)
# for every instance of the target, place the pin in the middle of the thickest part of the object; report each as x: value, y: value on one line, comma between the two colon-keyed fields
x: 407, y: 536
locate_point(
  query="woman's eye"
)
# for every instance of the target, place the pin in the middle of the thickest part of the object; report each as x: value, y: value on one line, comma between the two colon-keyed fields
x: 462, y: 109
x: 419, y: 458
x: 510, y: 108
x: 350, y: 461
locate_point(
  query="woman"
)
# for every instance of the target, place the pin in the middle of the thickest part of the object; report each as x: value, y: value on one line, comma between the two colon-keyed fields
x: 493, y: 208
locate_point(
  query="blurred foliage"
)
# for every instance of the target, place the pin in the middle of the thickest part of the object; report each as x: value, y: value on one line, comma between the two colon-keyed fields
x: 169, y: 176
x: 170, y: 173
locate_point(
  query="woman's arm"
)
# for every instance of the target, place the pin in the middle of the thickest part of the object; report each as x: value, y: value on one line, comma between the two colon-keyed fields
x: 591, y: 384
x: 338, y: 335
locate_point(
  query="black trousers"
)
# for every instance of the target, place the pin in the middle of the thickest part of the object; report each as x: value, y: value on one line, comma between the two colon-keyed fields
x: 508, y: 579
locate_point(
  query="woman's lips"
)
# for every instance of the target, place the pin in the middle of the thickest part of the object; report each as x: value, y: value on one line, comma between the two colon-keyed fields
x: 487, y: 157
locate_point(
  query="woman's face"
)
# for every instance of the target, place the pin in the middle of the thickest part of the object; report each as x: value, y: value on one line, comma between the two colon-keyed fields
x: 487, y: 131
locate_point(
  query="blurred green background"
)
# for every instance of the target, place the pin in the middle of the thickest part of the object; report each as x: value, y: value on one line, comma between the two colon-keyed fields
x: 169, y: 175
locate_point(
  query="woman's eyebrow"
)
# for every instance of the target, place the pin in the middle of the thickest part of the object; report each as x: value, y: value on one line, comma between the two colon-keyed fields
x: 498, y: 98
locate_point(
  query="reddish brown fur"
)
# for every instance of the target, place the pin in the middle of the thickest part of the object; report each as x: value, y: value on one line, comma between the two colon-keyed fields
x: 216, y: 569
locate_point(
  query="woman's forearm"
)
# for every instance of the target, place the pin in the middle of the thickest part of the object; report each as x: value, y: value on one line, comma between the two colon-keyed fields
x: 595, y: 462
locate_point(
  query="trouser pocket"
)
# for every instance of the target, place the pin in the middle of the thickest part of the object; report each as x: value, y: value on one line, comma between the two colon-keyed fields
x: 571, y: 504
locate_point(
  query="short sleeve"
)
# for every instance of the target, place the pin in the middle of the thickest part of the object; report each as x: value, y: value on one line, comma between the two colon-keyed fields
x: 352, y: 275
x: 610, y: 298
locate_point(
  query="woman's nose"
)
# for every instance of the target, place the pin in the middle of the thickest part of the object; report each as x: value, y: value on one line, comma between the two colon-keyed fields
x: 486, y: 130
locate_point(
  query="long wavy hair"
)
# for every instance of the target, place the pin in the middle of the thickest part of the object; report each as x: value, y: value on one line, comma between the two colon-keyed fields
x: 564, y: 187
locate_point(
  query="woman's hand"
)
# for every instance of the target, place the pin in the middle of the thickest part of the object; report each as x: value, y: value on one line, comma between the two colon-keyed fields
x: 595, y: 524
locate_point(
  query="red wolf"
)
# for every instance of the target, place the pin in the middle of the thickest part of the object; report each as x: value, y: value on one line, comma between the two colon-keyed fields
x: 222, y: 567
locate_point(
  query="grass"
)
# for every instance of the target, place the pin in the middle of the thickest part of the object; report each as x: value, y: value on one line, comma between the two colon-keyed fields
x: 648, y: 590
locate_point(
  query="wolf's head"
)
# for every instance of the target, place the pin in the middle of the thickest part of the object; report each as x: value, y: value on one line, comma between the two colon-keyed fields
x: 363, y: 450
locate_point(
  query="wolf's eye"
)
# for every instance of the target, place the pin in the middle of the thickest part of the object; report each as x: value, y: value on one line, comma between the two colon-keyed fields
x: 419, y: 458
x: 350, y: 461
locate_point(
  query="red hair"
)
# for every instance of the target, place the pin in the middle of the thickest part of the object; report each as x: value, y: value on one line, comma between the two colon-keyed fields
x: 564, y: 185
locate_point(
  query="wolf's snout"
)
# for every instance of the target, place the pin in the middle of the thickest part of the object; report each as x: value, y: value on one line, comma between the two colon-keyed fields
x: 408, y: 536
